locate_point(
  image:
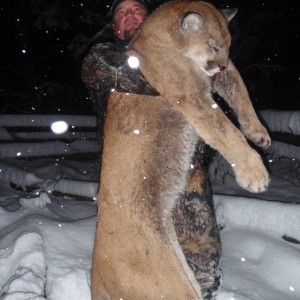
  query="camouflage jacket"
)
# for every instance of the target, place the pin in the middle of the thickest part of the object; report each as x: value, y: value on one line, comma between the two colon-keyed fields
x: 105, y: 67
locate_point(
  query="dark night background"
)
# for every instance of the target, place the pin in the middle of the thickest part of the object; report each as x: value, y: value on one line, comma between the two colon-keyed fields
x: 43, y: 41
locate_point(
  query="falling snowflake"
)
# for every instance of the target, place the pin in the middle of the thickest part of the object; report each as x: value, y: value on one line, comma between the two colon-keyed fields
x: 133, y: 62
x: 59, y: 127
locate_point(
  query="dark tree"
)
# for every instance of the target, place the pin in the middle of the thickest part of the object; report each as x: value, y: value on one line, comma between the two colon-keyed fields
x: 41, y: 54
x: 43, y: 43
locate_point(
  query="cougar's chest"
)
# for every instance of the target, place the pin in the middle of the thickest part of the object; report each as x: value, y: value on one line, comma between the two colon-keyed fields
x: 143, y: 115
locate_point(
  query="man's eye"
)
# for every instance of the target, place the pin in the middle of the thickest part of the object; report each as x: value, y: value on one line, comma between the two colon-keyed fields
x: 121, y: 12
x: 136, y: 9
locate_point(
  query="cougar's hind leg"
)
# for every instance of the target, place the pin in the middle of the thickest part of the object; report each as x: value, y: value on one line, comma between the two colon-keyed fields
x: 197, y: 231
x: 98, y: 291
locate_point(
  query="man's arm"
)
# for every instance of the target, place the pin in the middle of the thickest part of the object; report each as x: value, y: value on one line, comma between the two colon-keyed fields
x: 106, y: 68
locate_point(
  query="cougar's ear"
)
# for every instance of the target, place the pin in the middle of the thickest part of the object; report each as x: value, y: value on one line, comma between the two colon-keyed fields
x: 191, y: 22
x: 229, y: 13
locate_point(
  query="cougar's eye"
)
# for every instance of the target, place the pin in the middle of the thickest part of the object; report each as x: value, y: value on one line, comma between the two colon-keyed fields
x: 216, y: 49
x: 213, y: 46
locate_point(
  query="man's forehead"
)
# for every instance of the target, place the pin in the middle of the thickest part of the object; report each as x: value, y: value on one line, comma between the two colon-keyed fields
x: 126, y: 3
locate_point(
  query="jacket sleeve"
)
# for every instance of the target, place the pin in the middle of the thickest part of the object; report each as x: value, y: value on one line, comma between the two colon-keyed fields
x: 105, y: 68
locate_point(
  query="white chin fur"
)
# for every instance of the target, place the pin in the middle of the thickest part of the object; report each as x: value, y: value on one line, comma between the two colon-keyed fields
x: 211, y: 72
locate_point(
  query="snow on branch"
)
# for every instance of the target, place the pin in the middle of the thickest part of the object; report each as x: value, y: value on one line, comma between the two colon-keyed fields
x: 286, y: 122
x: 282, y: 121
x: 10, y: 173
x: 53, y: 136
x: 279, y: 149
x: 279, y: 121
x: 39, y: 149
x: 46, y: 120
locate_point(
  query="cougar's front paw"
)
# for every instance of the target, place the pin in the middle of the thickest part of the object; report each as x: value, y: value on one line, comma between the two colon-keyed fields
x: 258, y: 135
x: 251, y: 174
x: 261, y: 139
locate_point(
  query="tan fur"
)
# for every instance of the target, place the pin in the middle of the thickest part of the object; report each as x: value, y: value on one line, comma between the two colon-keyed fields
x: 149, y: 143
x: 195, y: 181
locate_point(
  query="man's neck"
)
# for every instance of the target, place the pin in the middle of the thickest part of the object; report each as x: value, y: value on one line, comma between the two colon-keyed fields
x: 122, y: 43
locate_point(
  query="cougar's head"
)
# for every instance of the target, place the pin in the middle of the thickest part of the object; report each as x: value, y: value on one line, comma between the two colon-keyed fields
x: 206, y: 40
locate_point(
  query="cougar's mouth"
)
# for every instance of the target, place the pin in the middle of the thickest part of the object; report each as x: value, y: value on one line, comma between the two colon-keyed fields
x: 211, y: 72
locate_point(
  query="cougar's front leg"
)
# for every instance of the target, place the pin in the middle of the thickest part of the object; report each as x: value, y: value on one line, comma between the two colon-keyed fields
x: 231, y: 87
x: 216, y: 130
x: 193, y: 99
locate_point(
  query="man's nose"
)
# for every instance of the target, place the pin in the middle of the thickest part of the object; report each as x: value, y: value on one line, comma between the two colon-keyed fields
x: 129, y: 12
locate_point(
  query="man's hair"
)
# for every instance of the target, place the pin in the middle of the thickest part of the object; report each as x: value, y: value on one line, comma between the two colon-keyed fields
x: 117, y: 2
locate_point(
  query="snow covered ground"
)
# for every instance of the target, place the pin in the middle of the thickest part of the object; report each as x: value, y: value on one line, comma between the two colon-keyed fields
x: 47, y: 231
x: 257, y: 262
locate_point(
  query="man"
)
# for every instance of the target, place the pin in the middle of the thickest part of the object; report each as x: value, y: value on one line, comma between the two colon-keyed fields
x: 105, y: 68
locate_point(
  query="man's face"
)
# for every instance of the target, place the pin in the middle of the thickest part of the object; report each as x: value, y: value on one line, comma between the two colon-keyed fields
x: 128, y: 17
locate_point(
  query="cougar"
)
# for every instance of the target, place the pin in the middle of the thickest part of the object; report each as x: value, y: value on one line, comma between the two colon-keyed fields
x: 182, y: 49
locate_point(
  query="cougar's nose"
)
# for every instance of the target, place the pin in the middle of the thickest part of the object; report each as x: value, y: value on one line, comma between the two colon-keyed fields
x: 223, y: 64
x: 222, y: 67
